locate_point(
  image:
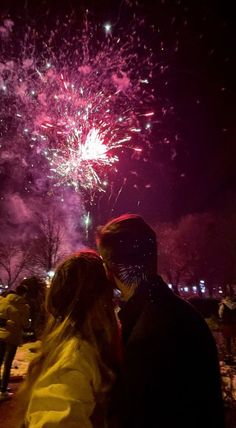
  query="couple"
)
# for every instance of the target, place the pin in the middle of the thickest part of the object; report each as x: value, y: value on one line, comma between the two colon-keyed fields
x: 167, y: 374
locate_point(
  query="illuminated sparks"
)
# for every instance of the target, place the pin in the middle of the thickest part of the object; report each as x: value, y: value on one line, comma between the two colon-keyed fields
x: 77, y: 163
x: 77, y: 104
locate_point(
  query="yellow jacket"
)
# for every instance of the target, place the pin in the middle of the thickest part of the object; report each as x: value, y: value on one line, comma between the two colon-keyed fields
x: 64, y: 396
x: 16, y: 312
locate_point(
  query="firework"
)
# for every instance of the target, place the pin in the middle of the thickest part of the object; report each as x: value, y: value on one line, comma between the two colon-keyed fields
x: 75, y: 101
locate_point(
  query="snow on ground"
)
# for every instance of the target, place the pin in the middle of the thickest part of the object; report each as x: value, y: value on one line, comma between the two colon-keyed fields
x: 25, y: 353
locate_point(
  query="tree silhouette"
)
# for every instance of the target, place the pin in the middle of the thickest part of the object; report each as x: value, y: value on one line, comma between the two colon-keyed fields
x: 15, y: 262
x: 48, y: 243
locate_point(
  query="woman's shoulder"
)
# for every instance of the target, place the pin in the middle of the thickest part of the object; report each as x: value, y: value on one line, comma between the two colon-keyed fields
x: 77, y: 354
x: 78, y: 348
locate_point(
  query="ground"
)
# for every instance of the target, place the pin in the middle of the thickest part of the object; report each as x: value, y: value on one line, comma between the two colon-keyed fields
x: 8, y: 417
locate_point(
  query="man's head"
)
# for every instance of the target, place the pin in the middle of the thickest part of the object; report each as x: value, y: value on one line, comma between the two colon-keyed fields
x: 128, y: 247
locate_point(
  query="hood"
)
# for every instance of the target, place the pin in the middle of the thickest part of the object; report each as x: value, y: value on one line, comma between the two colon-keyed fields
x: 15, y: 300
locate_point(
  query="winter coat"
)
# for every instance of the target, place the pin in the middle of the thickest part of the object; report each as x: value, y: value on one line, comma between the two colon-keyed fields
x: 65, y: 394
x: 14, y: 317
x: 171, y: 375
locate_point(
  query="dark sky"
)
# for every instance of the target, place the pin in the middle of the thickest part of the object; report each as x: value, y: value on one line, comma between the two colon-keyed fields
x: 198, y: 40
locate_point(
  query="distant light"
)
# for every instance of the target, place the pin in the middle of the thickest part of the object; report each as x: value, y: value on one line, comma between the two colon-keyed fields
x: 186, y: 289
x: 48, y: 65
x: 202, y: 281
x: 170, y: 285
x: 51, y: 273
x: 6, y: 286
x: 220, y: 291
x: 194, y: 288
x: 107, y: 27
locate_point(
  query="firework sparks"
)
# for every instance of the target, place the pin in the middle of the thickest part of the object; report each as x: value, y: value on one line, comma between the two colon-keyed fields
x: 76, y: 105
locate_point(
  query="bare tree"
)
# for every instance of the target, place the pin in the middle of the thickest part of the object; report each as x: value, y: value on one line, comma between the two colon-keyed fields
x: 48, y: 243
x: 15, y: 262
x: 199, y: 246
x: 172, y: 265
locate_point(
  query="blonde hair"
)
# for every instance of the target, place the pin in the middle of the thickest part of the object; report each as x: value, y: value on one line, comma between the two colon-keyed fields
x: 80, y: 304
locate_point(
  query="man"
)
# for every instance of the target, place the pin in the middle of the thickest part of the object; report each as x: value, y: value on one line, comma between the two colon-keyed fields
x: 14, y: 317
x: 171, y: 374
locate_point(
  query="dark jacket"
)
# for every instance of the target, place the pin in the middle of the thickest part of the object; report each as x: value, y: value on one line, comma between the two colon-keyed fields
x: 171, y: 374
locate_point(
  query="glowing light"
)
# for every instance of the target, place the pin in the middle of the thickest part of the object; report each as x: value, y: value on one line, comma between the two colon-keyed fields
x: 50, y: 274
x: 107, y: 27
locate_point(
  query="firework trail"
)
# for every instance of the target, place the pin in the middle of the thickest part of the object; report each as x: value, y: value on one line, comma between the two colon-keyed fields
x: 73, y: 100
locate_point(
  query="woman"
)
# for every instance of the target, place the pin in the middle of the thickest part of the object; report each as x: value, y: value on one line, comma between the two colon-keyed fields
x: 68, y: 382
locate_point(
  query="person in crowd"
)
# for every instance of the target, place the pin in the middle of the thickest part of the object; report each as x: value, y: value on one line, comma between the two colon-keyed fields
x: 36, y: 288
x: 69, y: 381
x: 227, y: 313
x: 14, y: 317
x: 170, y: 373
x: 209, y: 309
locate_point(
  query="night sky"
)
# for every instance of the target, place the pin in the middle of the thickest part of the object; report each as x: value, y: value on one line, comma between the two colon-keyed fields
x: 191, y: 167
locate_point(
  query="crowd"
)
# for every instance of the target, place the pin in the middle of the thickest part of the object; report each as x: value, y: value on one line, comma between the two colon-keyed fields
x: 152, y: 363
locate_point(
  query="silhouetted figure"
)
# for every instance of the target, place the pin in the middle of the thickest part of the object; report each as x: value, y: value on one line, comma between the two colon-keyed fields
x: 171, y: 374
x: 14, y: 317
x: 36, y: 288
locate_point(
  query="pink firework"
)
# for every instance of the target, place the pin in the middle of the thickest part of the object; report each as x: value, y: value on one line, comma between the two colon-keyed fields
x: 80, y: 101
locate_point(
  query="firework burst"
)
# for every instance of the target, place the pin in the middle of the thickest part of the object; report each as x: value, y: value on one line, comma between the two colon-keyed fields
x: 76, y: 100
